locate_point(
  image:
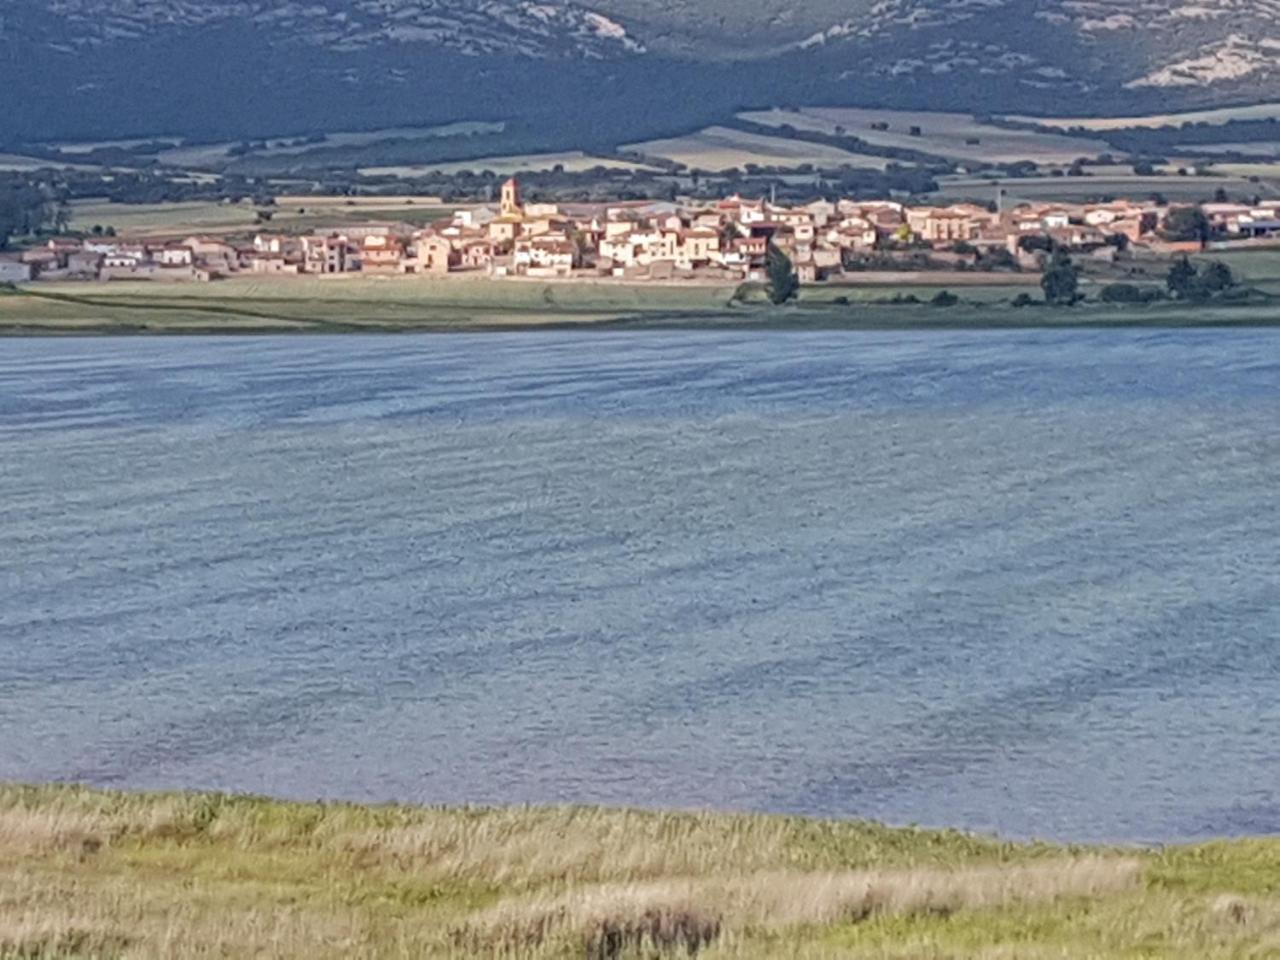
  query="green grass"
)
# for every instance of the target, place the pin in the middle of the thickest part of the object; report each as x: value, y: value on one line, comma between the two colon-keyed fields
x: 308, y: 304
x: 104, y: 874
x: 414, y: 304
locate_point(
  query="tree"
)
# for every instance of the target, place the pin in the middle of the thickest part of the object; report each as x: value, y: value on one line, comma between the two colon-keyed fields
x: 1128, y: 293
x: 783, y: 282
x: 1187, y: 223
x: 1216, y: 277
x: 1182, y: 281
x: 1061, y: 280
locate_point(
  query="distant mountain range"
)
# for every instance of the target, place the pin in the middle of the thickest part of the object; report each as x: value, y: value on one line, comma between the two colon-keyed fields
x: 600, y: 67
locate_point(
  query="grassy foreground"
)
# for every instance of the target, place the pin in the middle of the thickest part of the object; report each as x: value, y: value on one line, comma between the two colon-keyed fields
x: 86, y: 873
x: 308, y: 305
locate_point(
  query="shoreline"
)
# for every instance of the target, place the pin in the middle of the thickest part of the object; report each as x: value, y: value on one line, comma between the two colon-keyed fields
x: 184, y: 874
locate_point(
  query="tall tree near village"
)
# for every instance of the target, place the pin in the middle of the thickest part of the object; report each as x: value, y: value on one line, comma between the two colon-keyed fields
x: 783, y: 282
x: 1061, y: 280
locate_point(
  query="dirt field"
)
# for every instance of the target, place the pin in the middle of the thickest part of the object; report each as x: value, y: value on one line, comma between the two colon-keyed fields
x: 1261, y: 111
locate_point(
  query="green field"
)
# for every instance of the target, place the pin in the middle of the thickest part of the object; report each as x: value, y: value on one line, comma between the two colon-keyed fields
x: 1255, y: 268
x: 572, y: 161
x: 408, y: 304
x: 289, y: 215
x: 942, y: 134
x: 320, y: 305
x: 1082, y: 189
x: 93, y: 874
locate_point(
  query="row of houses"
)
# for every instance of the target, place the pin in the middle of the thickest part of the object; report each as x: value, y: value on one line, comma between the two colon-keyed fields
x: 656, y: 240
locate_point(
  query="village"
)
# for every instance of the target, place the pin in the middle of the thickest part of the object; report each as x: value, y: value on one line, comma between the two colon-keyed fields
x: 728, y: 240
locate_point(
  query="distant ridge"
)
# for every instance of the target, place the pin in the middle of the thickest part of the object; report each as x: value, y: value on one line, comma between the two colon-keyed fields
x: 253, y: 66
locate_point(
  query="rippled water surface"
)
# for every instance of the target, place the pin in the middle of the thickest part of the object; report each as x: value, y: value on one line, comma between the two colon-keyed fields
x: 1017, y: 581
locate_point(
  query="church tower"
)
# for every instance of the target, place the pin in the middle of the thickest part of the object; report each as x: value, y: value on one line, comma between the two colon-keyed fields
x: 511, y: 199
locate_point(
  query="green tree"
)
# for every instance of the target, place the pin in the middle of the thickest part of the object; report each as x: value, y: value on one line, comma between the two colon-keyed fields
x: 1216, y: 277
x: 1061, y: 280
x: 1182, y: 280
x: 1187, y: 223
x: 783, y: 282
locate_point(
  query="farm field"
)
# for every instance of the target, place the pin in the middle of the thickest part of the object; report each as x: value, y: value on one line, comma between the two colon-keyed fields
x: 722, y: 148
x: 1080, y: 189
x: 87, y: 146
x: 148, y: 219
x: 572, y: 161
x: 943, y: 134
x: 1222, y: 115
x: 1256, y: 268
x: 332, y: 305
x: 970, y: 287
x: 213, y: 156
x: 1264, y: 171
x: 18, y: 163
x: 97, y: 874
x: 409, y: 304
x: 1263, y: 148
x: 209, y: 217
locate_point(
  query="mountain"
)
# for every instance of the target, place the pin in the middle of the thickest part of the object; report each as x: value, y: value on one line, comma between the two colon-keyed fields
x: 595, y: 68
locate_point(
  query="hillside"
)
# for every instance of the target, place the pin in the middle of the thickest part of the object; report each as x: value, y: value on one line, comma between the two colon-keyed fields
x: 253, y: 67
x: 89, y: 873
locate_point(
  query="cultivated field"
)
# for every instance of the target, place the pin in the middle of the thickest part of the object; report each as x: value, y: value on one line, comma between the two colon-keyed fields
x: 1261, y: 148
x: 95, y: 874
x: 213, y: 156
x: 416, y: 304
x: 1259, y: 111
x: 942, y: 134
x: 22, y: 164
x: 722, y: 148
x: 572, y: 161
x: 1256, y: 268
x: 211, y: 217
x: 341, y: 304
x: 147, y: 219
x: 1080, y: 189
x: 1263, y: 171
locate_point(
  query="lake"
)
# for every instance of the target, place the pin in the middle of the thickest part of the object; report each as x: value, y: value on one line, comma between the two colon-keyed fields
x: 1016, y: 581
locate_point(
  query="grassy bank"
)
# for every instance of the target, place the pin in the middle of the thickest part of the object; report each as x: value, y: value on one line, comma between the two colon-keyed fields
x: 98, y: 874
x: 413, y: 305
x: 310, y: 305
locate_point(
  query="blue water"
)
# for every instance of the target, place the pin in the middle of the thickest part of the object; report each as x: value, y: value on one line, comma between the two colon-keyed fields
x: 1015, y: 581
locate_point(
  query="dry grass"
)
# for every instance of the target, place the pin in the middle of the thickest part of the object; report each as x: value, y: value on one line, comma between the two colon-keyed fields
x: 693, y: 912
x: 99, y: 874
x: 722, y: 148
x: 1221, y: 115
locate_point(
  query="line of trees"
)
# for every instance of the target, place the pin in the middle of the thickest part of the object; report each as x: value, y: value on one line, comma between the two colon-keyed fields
x: 26, y: 208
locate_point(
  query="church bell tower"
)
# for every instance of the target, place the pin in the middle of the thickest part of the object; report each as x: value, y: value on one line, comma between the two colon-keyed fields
x: 511, y: 206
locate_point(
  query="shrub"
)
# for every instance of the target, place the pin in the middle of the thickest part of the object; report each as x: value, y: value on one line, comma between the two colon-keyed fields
x: 1127, y: 293
x: 944, y: 298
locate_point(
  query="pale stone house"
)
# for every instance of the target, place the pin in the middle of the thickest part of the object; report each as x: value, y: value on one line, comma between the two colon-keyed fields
x: 433, y: 255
